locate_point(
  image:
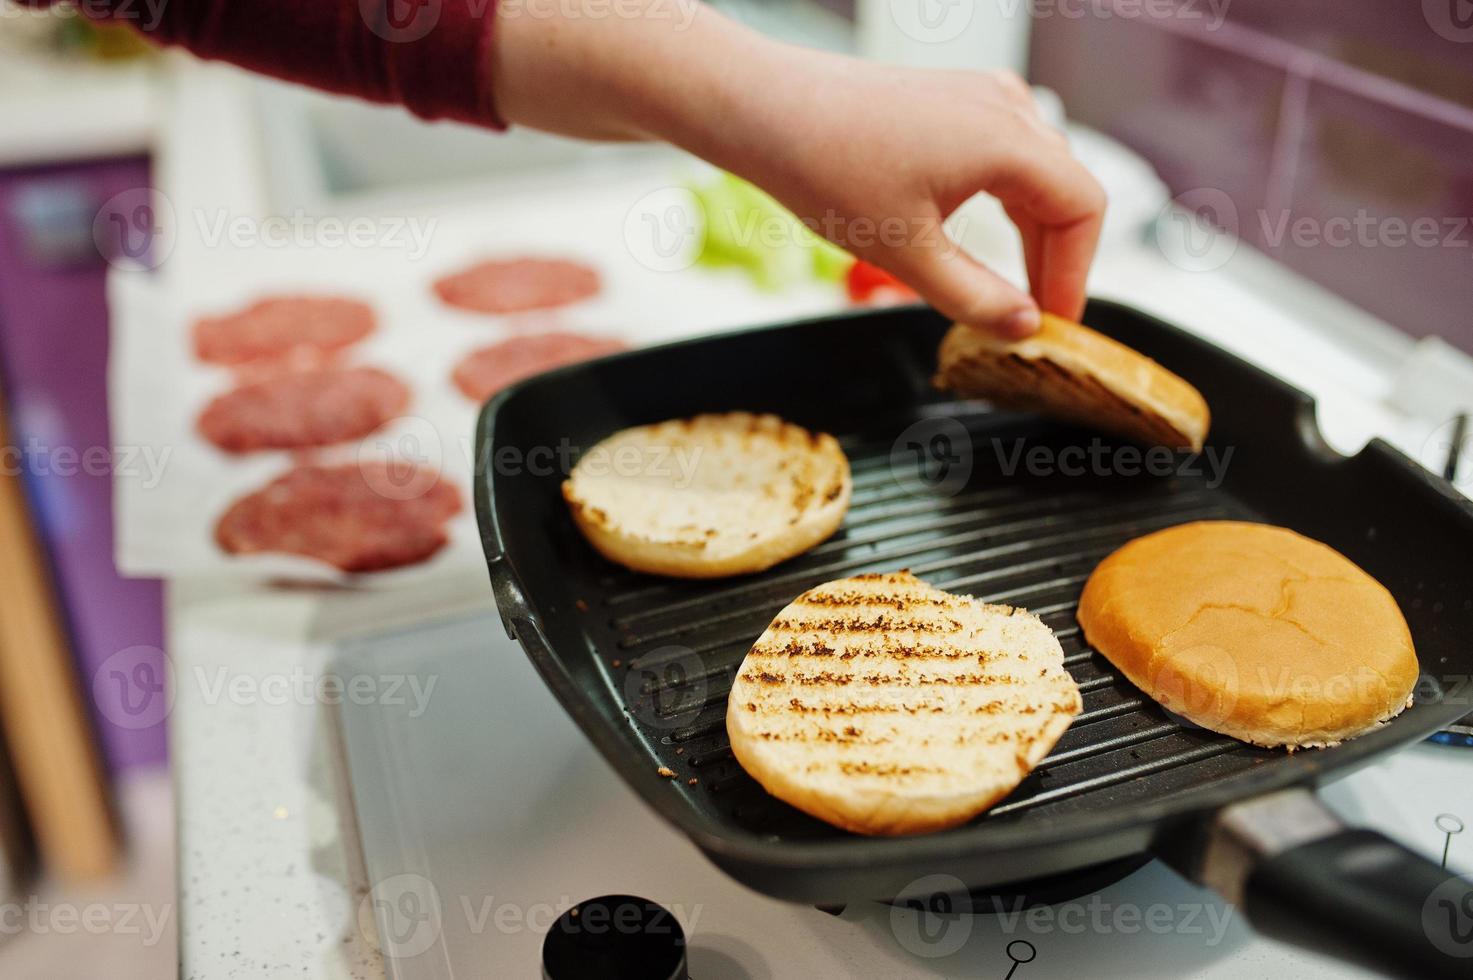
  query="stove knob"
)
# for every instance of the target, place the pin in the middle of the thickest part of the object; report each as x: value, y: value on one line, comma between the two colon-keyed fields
x: 615, y: 937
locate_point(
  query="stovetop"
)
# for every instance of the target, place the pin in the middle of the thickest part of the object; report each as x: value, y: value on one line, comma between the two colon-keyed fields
x: 483, y: 815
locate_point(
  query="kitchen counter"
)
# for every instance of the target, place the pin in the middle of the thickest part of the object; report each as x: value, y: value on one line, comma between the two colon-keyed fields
x: 269, y: 881
x: 63, y: 111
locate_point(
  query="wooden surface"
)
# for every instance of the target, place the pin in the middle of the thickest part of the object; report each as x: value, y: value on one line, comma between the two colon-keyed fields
x: 48, y: 732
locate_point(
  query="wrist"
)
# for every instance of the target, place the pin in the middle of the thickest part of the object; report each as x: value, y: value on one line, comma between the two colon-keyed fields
x: 718, y: 97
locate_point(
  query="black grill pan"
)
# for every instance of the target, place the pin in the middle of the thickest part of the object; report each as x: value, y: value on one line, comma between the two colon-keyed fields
x: 944, y: 488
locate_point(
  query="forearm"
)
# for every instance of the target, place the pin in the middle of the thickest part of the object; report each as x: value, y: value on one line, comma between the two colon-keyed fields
x: 670, y: 70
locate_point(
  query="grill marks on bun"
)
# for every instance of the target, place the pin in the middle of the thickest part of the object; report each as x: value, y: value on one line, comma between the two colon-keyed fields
x: 1070, y: 371
x: 886, y: 706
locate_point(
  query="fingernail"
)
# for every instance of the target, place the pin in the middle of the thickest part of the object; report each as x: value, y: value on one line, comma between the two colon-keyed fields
x: 1021, y: 323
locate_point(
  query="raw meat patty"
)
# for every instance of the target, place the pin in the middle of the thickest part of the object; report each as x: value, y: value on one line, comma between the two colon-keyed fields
x: 282, y: 327
x: 482, y: 373
x: 516, y: 285
x: 343, y: 515
x: 303, y: 408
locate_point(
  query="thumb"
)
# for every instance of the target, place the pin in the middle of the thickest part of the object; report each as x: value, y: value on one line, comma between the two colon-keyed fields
x: 966, y: 290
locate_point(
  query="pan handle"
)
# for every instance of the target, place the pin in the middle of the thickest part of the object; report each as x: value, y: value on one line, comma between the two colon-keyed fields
x: 1304, y: 878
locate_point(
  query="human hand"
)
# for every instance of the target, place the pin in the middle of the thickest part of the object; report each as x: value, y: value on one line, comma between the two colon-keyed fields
x: 876, y: 158
x: 872, y: 157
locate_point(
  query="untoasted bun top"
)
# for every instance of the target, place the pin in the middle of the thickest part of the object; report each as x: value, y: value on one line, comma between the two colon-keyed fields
x: 1253, y: 631
x: 886, y: 706
x: 1073, y: 372
x: 710, y: 495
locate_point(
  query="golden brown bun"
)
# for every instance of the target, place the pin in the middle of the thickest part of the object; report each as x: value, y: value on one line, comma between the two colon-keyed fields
x: 709, y: 496
x: 886, y: 706
x: 1253, y: 631
x: 1072, y: 372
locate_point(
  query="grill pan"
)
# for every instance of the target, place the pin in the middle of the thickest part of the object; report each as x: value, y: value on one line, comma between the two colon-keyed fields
x: 643, y: 665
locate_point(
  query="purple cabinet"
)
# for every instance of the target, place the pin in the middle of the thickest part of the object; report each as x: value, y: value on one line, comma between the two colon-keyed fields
x: 53, y: 355
x: 1341, y: 133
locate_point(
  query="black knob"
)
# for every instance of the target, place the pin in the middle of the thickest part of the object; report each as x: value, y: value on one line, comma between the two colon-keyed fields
x: 615, y: 937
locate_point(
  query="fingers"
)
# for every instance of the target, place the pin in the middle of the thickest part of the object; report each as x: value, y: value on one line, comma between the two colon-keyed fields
x: 1064, y: 269
x: 1057, y: 258
x: 965, y: 290
x: 1059, y: 209
x: 1044, y: 180
x: 1057, y: 206
x: 1032, y: 236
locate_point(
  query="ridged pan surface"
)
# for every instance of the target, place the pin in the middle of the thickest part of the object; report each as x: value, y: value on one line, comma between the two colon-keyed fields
x: 1008, y: 508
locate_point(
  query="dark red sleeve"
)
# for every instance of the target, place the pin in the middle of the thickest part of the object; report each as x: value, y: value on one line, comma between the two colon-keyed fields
x: 432, y: 56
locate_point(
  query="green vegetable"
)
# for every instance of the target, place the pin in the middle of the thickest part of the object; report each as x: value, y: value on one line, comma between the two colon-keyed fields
x: 747, y: 229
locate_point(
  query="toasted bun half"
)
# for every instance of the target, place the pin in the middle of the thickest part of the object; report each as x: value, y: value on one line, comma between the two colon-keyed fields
x: 886, y: 706
x: 709, y: 496
x: 1072, y: 372
x: 1253, y: 631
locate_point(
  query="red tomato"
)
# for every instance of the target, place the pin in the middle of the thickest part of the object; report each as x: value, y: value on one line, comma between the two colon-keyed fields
x: 864, y: 281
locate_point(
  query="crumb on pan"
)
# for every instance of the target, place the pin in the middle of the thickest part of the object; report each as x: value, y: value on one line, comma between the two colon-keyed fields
x: 666, y: 772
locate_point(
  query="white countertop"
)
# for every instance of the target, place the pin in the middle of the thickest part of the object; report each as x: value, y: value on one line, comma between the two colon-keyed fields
x: 269, y: 884
x: 55, y: 112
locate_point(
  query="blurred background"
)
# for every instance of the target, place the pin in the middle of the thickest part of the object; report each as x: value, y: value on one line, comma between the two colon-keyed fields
x: 1292, y: 180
